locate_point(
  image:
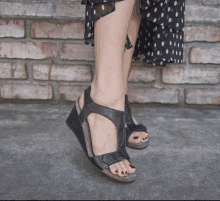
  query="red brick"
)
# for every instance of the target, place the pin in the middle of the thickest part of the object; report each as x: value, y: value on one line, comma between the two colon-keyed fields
x: 195, y: 1
x: 27, y: 50
x: 26, y: 91
x: 214, y: 2
x: 26, y: 9
x: 142, y: 74
x: 205, y: 55
x: 203, y: 96
x: 140, y: 95
x: 78, y: 52
x: 62, y: 72
x: 71, y: 93
x: 55, y: 30
x: 184, y: 54
x: 42, y: 10
x: 202, y: 33
x: 70, y: 11
x: 153, y: 95
x: 191, y: 76
x: 12, y: 71
x: 12, y: 28
x: 201, y: 13
x: 205, y: 1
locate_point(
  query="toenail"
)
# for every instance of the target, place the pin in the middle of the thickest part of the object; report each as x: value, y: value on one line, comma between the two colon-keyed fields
x: 116, y: 171
x: 126, y: 172
x: 136, y: 137
x: 132, y: 166
x: 143, y: 138
x: 122, y: 172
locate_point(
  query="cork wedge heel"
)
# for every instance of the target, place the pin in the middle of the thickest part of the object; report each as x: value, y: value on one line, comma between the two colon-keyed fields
x: 78, y: 123
x: 131, y: 127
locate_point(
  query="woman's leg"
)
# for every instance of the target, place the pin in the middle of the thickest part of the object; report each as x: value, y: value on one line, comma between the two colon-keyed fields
x: 132, y: 33
x: 107, y: 89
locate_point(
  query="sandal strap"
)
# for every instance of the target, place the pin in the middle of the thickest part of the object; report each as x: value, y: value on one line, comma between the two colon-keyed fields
x: 105, y: 160
x: 128, y: 132
x: 134, y: 127
x: 128, y: 117
x: 137, y: 127
x: 116, y: 116
x: 131, y: 126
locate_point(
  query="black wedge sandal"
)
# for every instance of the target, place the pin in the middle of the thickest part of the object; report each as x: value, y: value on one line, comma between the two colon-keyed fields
x: 131, y: 127
x: 78, y: 123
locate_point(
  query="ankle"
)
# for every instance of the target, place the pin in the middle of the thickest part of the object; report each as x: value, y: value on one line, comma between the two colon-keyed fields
x: 116, y: 88
x: 105, y: 99
x: 110, y: 98
x: 108, y: 101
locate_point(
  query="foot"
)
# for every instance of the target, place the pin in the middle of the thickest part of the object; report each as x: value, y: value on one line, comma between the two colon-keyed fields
x: 104, y: 138
x: 137, y: 136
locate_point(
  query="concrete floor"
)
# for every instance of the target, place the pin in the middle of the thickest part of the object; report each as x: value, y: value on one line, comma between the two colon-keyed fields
x: 40, y: 158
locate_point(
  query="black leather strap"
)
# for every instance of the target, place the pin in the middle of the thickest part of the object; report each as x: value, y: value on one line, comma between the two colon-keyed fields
x: 135, y: 127
x: 131, y: 126
x: 105, y: 160
x: 118, y: 118
x: 128, y: 117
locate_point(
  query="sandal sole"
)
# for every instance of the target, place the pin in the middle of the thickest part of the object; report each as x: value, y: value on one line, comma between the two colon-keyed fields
x: 79, y: 129
x: 136, y: 146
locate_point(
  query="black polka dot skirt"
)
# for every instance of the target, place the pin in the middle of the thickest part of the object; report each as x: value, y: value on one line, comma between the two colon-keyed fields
x: 160, y: 35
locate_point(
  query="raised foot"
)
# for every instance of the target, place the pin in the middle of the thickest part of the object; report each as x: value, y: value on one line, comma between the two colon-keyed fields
x: 104, y: 138
x: 137, y: 136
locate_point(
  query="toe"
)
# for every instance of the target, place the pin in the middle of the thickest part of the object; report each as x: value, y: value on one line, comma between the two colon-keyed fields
x: 134, y: 138
x: 144, y: 137
x: 125, y: 169
x: 131, y: 168
x: 113, y: 169
x: 121, y: 172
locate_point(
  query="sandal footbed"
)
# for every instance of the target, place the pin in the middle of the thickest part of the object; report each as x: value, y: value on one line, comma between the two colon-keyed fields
x: 106, y: 171
x: 128, y: 178
x: 139, y: 145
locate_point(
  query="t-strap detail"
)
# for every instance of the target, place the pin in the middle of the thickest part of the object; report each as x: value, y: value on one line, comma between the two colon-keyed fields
x: 105, y: 160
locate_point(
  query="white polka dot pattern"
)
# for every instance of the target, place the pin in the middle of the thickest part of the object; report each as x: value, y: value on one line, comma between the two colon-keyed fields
x: 160, y: 36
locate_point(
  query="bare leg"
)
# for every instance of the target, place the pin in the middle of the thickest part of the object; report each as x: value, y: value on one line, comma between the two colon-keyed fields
x: 107, y: 85
x: 135, y: 137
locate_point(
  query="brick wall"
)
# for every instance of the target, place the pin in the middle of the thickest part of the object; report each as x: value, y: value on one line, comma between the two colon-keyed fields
x: 43, y: 57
